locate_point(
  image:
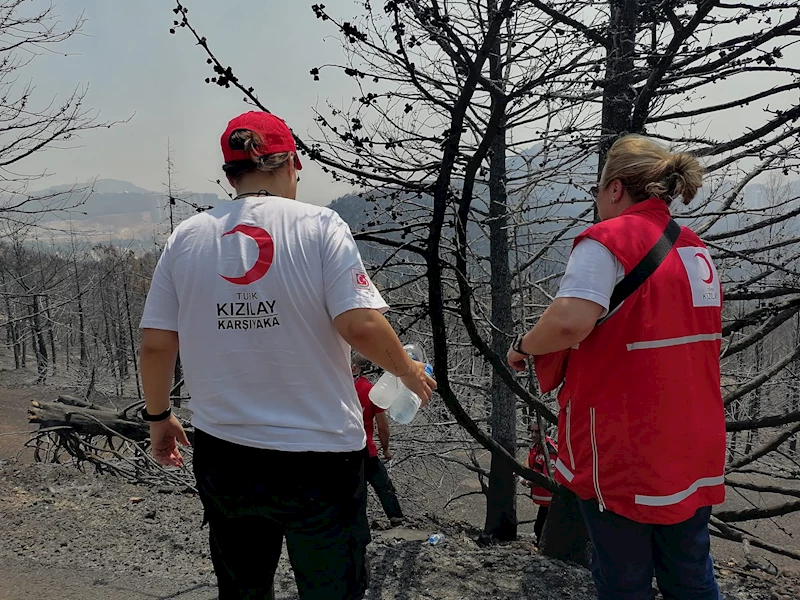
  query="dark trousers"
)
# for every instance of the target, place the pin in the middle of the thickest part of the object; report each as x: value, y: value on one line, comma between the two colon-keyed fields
x: 378, y: 478
x: 253, y: 498
x: 538, y: 526
x: 627, y: 554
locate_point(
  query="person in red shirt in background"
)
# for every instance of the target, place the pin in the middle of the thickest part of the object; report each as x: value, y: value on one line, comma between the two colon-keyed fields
x: 540, y: 496
x: 375, y: 471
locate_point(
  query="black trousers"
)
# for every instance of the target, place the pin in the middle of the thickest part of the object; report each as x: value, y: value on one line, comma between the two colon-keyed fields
x: 253, y: 498
x: 378, y: 478
x: 538, y: 526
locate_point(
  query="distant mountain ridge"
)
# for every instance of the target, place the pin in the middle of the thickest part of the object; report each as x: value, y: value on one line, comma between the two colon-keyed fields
x: 115, y: 209
x: 115, y: 197
x: 100, y: 186
x: 548, y: 198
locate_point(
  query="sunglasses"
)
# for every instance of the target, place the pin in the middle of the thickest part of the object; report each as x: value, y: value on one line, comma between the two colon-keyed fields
x: 594, y: 191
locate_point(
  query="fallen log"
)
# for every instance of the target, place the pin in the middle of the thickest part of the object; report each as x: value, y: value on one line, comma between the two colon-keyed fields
x: 86, y: 419
x: 114, y: 442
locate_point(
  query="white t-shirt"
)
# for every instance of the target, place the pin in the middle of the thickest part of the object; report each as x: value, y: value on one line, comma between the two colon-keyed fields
x: 252, y: 288
x: 592, y: 273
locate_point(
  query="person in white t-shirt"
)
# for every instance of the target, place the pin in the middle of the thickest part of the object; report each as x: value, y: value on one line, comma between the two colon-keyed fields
x: 264, y: 297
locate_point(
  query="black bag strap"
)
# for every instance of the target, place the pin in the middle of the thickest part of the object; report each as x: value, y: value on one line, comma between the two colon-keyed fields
x: 646, y: 267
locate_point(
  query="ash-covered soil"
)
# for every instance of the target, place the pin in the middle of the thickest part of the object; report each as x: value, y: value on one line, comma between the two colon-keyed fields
x: 66, y: 534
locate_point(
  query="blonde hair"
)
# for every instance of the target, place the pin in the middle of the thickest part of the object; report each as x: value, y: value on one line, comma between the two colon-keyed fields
x: 649, y: 170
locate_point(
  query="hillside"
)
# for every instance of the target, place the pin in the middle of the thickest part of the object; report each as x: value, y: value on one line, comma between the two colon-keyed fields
x: 556, y: 197
x: 109, y: 210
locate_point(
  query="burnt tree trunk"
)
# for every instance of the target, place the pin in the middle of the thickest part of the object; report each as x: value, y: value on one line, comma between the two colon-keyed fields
x: 66, y: 344
x: 50, y: 335
x: 86, y: 418
x: 13, y: 331
x: 569, y: 538
x: 619, y: 95
x: 84, y: 353
x: 11, y: 325
x: 501, y: 497
x: 38, y: 340
x: 131, y: 337
x: 737, y: 411
x: 120, y: 334
x: 109, y: 343
x: 754, y: 408
x: 795, y: 385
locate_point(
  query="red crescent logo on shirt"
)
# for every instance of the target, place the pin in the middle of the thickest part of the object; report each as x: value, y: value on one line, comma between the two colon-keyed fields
x: 708, y: 268
x: 266, y: 252
x: 360, y: 279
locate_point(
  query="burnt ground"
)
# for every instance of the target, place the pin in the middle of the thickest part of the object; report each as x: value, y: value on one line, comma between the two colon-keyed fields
x: 72, y: 535
x: 67, y: 534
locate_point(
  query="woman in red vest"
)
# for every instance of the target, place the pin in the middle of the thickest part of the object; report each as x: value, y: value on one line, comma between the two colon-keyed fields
x: 536, y: 462
x: 641, y: 429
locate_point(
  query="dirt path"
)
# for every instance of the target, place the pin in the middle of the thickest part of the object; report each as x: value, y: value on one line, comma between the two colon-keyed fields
x: 15, y: 397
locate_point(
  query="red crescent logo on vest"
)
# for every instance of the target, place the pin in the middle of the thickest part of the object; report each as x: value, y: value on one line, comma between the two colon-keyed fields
x: 708, y: 268
x: 266, y: 252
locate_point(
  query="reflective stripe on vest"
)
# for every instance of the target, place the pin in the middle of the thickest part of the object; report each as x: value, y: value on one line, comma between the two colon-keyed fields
x: 562, y: 468
x: 679, y: 496
x: 678, y: 341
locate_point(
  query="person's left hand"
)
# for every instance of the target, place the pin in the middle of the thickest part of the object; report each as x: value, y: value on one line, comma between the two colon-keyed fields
x: 387, y: 454
x: 516, y: 360
x: 164, y: 439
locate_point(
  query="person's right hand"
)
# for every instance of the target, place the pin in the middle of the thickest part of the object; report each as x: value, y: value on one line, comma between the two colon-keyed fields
x: 164, y: 439
x: 419, y: 382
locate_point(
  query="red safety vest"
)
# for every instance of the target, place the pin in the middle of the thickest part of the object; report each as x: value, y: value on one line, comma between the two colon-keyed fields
x: 539, y: 495
x: 641, y: 424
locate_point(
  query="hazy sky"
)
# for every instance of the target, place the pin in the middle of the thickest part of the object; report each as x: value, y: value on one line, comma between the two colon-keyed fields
x: 135, y: 68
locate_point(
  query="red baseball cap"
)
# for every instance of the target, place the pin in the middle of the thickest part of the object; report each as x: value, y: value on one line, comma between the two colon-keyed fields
x: 273, y: 132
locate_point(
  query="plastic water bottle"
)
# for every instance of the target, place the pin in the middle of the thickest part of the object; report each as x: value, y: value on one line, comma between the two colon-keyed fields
x: 385, y: 390
x: 406, y: 404
x: 388, y: 387
x: 435, y: 538
x: 415, y: 352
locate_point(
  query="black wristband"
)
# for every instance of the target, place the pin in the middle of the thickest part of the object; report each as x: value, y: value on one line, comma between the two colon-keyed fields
x: 517, y: 345
x: 155, y: 418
